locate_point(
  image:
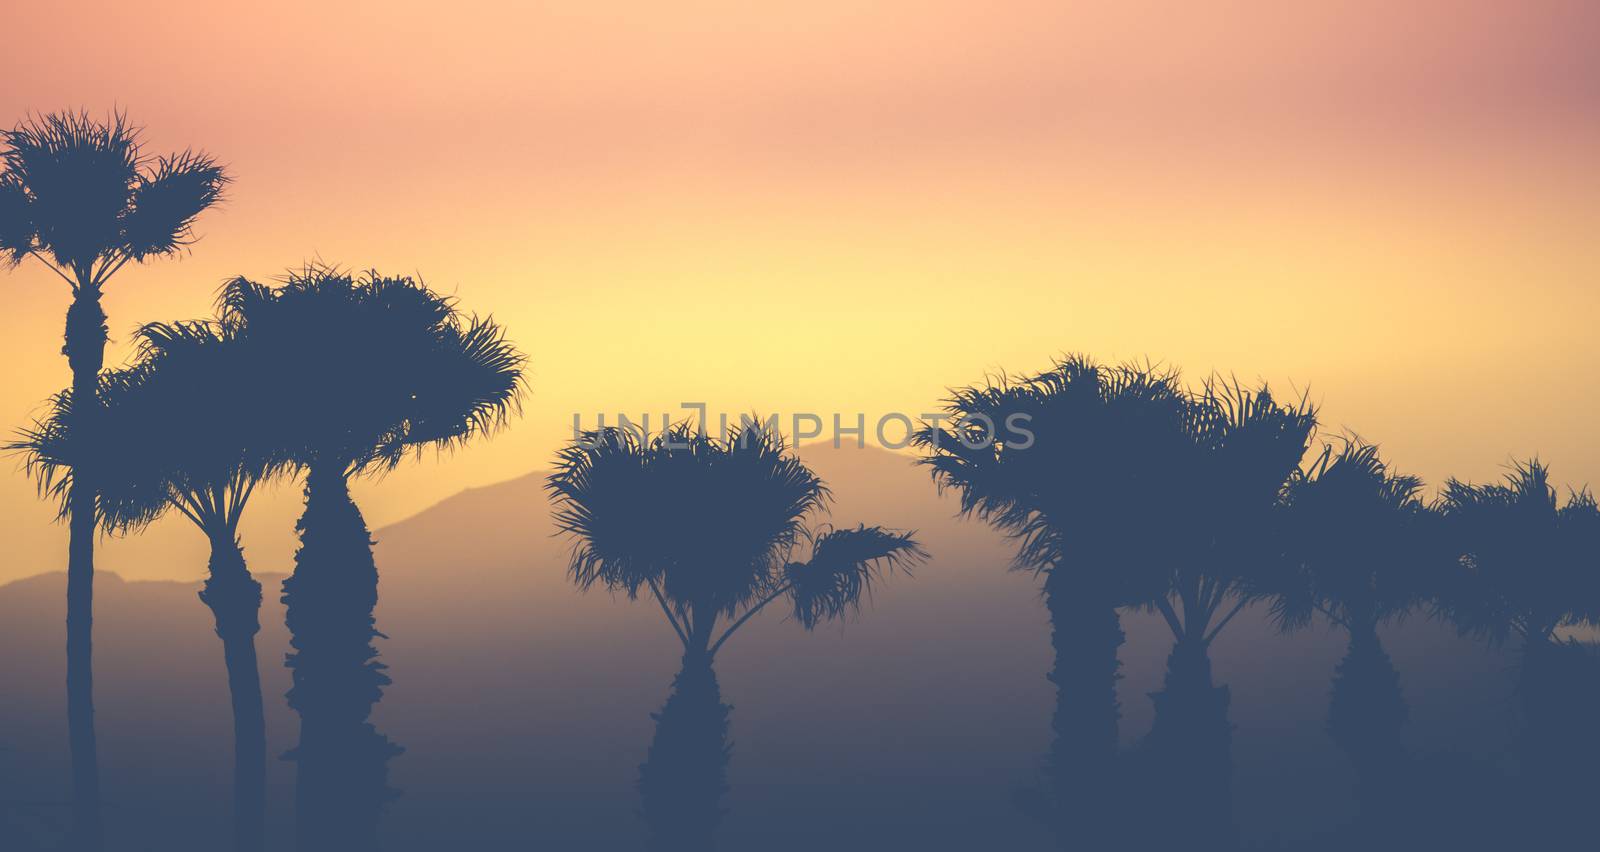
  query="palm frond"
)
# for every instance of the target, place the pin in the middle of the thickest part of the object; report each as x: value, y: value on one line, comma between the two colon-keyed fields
x: 1356, y: 540
x: 1254, y: 442
x: 843, y: 567
x: 70, y: 436
x: 1248, y: 447
x: 49, y: 452
x: 240, y: 298
x: 603, y: 497
x: 16, y: 221
x: 166, y: 201
x: 207, y: 411
x: 1527, y: 562
x: 471, y: 386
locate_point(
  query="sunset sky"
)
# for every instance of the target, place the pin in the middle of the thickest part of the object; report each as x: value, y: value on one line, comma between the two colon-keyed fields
x: 850, y: 206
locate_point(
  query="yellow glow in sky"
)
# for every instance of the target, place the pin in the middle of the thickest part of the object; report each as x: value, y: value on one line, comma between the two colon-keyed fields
x: 849, y: 207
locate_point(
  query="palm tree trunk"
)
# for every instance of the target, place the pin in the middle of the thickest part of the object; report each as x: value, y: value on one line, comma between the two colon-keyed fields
x: 1558, y: 684
x: 701, y: 629
x: 1366, y: 716
x: 685, y: 774
x: 1190, y: 748
x: 341, y: 778
x: 235, y: 601
x: 84, y: 346
x: 1082, y: 764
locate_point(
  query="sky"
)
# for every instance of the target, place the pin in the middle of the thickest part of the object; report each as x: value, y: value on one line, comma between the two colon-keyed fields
x: 853, y: 206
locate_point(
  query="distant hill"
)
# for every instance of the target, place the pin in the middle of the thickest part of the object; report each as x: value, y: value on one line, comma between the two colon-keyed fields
x: 525, y: 705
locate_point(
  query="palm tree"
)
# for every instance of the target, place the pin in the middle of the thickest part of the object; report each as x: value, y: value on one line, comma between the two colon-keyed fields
x: 362, y: 371
x: 706, y: 527
x: 82, y: 198
x: 180, y: 435
x: 1103, y: 470
x: 1528, y: 569
x: 1245, y: 445
x: 1362, y: 550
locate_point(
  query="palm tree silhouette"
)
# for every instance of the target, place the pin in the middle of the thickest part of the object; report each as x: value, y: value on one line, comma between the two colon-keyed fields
x: 82, y: 198
x: 1527, y: 571
x: 362, y: 371
x: 706, y: 527
x: 1362, y: 550
x: 1103, y: 467
x: 1245, y: 445
x: 179, y: 434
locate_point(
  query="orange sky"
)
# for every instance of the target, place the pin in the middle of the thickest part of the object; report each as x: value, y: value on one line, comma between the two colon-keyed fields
x: 849, y: 206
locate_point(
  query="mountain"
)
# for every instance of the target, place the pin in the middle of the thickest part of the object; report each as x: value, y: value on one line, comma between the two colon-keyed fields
x: 524, y: 706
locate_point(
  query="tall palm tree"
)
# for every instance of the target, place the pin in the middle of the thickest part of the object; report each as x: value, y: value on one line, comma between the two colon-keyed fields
x: 82, y: 198
x: 362, y: 371
x: 1361, y: 549
x: 1085, y: 497
x: 706, y: 526
x: 1245, y: 446
x: 1528, y: 569
x: 180, y: 435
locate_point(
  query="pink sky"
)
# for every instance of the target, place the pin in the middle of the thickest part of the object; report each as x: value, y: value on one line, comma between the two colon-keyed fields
x: 846, y: 206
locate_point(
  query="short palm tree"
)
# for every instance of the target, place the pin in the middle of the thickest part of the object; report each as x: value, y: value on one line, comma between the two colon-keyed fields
x: 1528, y: 569
x: 707, y: 527
x: 1086, y: 498
x: 363, y: 370
x: 1361, y: 549
x: 1245, y: 446
x: 180, y: 435
x: 83, y: 199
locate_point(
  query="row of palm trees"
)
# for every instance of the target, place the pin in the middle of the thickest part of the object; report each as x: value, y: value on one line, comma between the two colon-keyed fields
x: 327, y: 376
x: 1139, y: 493
x: 1133, y: 492
x: 323, y: 375
x: 1136, y: 491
